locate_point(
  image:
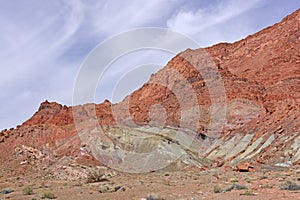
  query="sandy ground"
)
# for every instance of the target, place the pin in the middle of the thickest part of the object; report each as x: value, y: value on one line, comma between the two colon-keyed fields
x: 189, y: 183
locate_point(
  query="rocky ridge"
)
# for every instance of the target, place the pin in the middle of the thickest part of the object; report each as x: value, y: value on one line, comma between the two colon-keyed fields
x: 261, y: 80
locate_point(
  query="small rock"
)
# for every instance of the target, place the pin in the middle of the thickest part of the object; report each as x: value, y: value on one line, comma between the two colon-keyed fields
x: 104, y: 189
x: 23, y: 162
x: 235, y: 187
x: 285, y: 164
x: 154, y: 197
x: 6, y: 191
x: 244, y: 167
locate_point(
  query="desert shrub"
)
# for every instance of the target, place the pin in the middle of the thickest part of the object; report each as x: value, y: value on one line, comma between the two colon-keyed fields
x: 289, y: 185
x: 263, y: 177
x: 217, y: 189
x: 46, y: 194
x: 235, y: 187
x: 27, y: 190
x: 248, y: 180
x: 95, y: 176
x: 233, y: 180
x: 248, y: 193
x: 154, y: 197
x: 267, y: 186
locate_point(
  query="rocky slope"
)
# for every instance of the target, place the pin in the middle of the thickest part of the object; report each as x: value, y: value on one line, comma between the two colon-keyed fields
x: 244, y: 109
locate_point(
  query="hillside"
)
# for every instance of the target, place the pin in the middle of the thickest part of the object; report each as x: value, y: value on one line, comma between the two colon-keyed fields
x: 246, y: 109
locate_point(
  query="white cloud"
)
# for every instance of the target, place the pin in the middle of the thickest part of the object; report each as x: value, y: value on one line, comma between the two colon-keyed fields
x: 33, y: 41
x: 115, y: 16
x: 33, y: 44
x: 192, y: 22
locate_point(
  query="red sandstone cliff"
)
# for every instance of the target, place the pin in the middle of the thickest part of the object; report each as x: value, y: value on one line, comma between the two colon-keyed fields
x: 261, y: 77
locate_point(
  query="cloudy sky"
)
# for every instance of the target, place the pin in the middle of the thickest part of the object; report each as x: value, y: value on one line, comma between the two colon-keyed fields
x: 43, y: 43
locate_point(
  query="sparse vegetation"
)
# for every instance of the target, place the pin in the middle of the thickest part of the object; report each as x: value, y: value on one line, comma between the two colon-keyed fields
x: 289, y: 185
x: 217, y: 189
x: 267, y: 186
x: 78, y: 184
x: 233, y: 180
x: 154, y: 197
x: 263, y: 177
x: 95, y: 176
x: 42, y: 185
x: 235, y: 187
x: 46, y: 194
x: 248, y: 180
x: 27, y: 190
x: 248, y: 193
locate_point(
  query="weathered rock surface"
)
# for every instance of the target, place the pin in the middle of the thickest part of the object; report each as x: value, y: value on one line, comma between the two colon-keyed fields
x: 260, y: 78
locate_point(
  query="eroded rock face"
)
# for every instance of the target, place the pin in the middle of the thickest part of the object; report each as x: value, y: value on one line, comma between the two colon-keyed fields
x: 51, y: 113
x: 260, y: 78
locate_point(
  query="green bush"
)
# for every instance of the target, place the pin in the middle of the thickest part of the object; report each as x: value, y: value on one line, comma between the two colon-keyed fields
x: 46, y: 194
x: 217, y: 189
x: 27, y: 190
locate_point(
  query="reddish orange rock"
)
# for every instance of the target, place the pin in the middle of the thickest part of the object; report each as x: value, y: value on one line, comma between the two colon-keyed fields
x: 261, y: 80
x: 244, y: 167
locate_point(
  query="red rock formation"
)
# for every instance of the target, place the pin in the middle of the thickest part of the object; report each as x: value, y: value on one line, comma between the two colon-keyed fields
x: 261, y: 76
x: 51, y: 113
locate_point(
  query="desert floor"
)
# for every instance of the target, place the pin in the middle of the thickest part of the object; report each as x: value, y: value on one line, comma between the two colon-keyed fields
x: 189, y: 183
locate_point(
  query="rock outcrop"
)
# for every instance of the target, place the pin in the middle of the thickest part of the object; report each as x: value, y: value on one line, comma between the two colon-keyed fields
x: 259, y: 76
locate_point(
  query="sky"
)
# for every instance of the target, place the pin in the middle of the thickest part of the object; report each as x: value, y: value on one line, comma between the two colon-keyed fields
x: 44, y: 43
